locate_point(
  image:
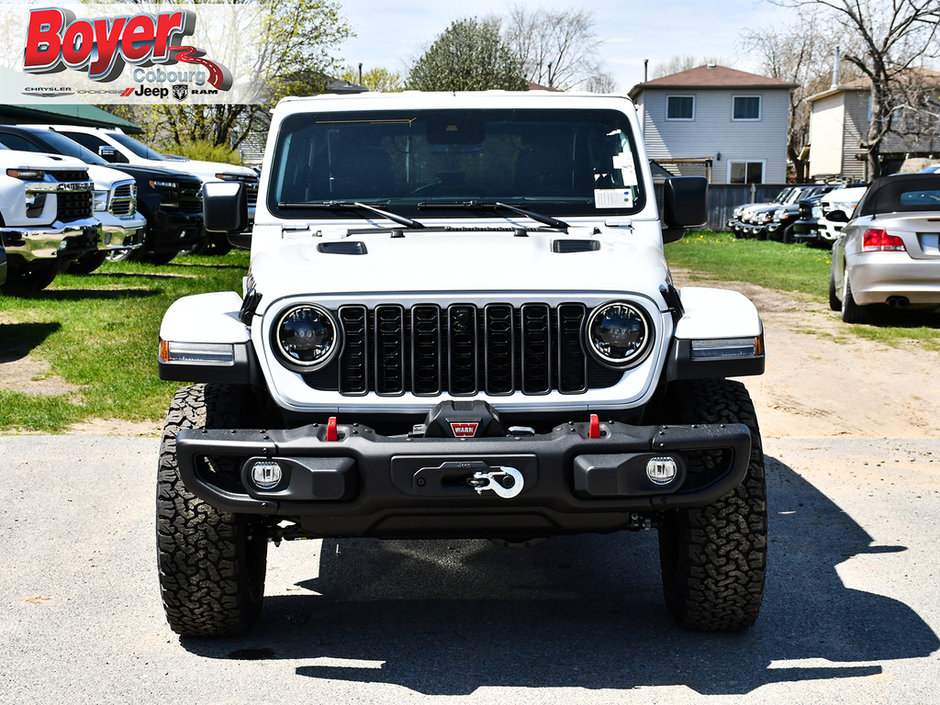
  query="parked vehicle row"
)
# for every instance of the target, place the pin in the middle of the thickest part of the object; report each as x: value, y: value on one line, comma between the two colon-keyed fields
x: 143, y: 207
x: 774, y: 220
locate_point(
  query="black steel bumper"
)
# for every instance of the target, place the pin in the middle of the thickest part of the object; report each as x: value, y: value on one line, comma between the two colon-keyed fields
x: 173, y: 230
x: 363, y: 484
x: 806, y: 230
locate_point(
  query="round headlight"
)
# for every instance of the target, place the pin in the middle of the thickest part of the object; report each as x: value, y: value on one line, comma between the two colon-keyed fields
x: 618, y: 334
x: 307, y: 336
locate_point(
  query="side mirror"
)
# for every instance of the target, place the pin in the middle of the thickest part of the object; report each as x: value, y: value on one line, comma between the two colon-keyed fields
x: 836, y: 216
x: 224, y: 207
x: 685, y: 204
x: 111, y: 155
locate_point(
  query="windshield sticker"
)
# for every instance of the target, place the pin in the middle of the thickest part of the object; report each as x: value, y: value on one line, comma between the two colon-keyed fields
x: 624, y: 162
x: 613, y: 198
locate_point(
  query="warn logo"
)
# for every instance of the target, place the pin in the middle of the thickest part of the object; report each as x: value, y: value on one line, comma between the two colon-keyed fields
x: 464, y: 430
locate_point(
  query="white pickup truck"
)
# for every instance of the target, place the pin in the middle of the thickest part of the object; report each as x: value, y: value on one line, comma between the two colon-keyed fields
x: 46, y: 216
x: 459, y: 322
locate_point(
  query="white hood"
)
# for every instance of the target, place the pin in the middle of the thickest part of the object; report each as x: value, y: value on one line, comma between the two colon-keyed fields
x: 207, y: 170
x: 436, y: 261
x: 17, y: 159
x: 105, y: 177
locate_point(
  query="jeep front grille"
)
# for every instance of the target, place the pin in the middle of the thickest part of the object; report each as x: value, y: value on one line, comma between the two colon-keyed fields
x: 462, y: 350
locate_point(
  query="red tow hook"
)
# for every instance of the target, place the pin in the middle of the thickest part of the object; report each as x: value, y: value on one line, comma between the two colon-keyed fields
x: 595, y: 428
x: 331, y: 434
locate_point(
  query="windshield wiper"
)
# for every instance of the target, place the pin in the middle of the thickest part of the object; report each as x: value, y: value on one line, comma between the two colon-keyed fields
x: 352, y: 206
x: 495, y: 205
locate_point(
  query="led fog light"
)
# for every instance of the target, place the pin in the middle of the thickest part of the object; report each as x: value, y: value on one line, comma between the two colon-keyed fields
x: 661, y: 471
x: 266, y: 475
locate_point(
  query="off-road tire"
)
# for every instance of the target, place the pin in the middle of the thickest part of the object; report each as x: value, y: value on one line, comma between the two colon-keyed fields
x: 87, y: 264
x: 211, y: 563
x: 714, y: 558
x: 851, y: 311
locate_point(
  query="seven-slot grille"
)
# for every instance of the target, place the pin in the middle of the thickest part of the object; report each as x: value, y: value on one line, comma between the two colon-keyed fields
x: 463, y: 350
x: 122, y: 200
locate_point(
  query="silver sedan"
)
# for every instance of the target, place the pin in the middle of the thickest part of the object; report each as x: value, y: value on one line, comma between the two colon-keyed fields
x: 889, y: 250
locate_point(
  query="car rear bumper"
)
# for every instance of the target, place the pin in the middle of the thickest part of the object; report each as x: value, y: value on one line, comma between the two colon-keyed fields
x: 364, y: 484
x: 879, y: 276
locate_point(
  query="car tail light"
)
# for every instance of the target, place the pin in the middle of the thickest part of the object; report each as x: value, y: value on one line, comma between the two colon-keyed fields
x: 880, y: 241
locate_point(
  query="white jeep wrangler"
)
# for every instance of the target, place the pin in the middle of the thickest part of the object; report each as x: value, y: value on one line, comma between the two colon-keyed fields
x: 458, y: 322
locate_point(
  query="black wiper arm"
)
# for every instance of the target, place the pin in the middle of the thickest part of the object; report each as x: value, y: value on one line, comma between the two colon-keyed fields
x: 494, y: 205
x: 353, y: 206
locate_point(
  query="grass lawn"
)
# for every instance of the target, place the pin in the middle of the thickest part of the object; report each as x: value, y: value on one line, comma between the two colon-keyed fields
x: 771, y: 264
x: 709, y: 255
x: 99, y: 334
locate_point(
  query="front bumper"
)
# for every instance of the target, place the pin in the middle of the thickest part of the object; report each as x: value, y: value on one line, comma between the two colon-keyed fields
x: 364, y: 484
x: 121, y: 232
x: 173, y: 230
x: 59, y: 240
x: 805, y: 230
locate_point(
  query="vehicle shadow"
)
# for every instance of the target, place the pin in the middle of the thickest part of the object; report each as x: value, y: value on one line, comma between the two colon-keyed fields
x: 884, y: 317
x: 92, y: 294
x: 18, y: 339
x: 448, y: 617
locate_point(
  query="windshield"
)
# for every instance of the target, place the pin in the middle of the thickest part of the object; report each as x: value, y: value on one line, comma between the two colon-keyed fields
x: 559, y: 162
x: 141, y: 150
x: 63, y: 145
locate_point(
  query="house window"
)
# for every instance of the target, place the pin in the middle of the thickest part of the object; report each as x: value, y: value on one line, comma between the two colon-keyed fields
x: 680, y: 107
x: 745, y: 172
x: 746, y: 107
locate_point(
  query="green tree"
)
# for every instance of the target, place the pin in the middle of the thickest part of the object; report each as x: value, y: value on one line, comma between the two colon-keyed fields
x: 468, y: 56
x: 294, y: 40
x: 377, y: 80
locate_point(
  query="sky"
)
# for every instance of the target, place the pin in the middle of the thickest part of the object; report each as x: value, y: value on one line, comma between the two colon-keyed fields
x: 392, y: 33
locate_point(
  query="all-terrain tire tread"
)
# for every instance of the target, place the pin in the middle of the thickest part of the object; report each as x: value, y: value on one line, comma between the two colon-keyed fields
x: 714, y: 558
x: 211, y: 565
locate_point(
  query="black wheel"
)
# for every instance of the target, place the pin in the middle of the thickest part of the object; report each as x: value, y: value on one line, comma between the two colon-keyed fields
x: 211, y: 563
x: 121, y: 255
x: 714, y: 558
x: 213, y: 247
x: 157, y: 257
x: 30, y: 277
x: 851, y: 311
x: 787, y: 236
x: 87, y: 264
x: 834, y: 302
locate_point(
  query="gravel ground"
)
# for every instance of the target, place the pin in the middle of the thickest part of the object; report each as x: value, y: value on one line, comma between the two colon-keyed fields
x: 851, y: 612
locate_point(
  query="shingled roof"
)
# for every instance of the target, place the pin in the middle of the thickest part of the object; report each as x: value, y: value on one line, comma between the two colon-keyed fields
x: 711, y: 76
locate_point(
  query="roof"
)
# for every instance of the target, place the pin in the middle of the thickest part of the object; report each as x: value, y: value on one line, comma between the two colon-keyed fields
x: 927, y: 76
x: 72, y: 113
x: 711, y: 76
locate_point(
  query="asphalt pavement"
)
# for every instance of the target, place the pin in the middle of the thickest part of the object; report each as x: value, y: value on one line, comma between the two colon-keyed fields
x: 851, y: 613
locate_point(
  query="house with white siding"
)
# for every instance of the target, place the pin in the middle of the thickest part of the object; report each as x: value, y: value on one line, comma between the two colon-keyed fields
x: 715, y: 121
x: 838, y: 124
